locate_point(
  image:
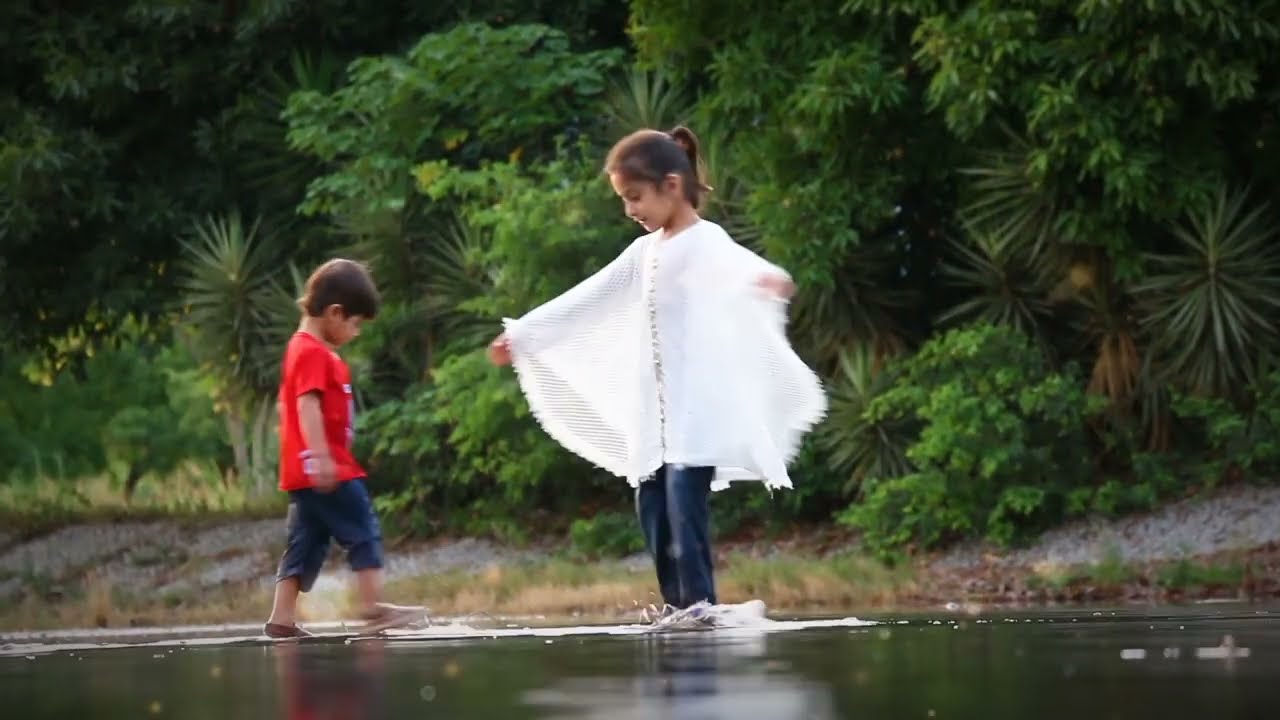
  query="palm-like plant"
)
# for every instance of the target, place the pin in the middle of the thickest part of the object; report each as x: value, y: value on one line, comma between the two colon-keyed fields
x: 392, y: 243
x: 1008, y: 206
x: 458, y: 275
x: 274, y: 172
x: 727, y: 202
x: 1105, y: 326
x: 443, y: 308
x: 1209, y: 308
x: 236, y: 321
x: 644, y: 99
x: 1005, y: 285
x: 858, y: 446
x: 1012, y: 257
x: 232, y: 300
x: 863, y: 305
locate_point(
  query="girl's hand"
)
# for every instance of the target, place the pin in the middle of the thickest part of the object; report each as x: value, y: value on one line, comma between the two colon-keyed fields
x: 500, y: 351
x: 780, y: 286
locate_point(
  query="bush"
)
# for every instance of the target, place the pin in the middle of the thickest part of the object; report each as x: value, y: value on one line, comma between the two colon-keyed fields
x: 127, y: 405
x: 464, y: 454
x: 464, y: 449
x: 1225, y: 440
x: 816, y: 491
x: 1001, y: 442
x: 608, y: 534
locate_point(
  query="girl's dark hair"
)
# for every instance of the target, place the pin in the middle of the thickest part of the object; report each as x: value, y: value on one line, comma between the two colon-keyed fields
x: 652, y: 155
x: 341, y: 282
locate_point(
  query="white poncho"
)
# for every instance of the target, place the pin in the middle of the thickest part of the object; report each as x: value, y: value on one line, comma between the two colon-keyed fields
x: 671, y: 354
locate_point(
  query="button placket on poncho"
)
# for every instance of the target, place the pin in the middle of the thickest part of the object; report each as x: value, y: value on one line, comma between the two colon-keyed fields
x: 652, y: 292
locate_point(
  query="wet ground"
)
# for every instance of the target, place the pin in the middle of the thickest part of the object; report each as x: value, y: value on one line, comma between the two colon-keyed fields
x: 1203, y: 662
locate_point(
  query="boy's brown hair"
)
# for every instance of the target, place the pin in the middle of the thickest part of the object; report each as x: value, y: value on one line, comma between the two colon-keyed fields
x: 341, y: 282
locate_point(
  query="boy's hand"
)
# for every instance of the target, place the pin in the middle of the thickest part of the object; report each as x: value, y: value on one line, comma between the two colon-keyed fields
x: 780, y: 286
x: 324, y: 474
x: 500, y: 351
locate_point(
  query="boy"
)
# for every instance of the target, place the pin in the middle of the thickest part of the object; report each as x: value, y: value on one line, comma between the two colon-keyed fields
x: 327, y: 494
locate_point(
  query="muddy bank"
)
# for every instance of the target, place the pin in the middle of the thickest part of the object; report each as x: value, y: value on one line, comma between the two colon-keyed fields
x: 175, y: 563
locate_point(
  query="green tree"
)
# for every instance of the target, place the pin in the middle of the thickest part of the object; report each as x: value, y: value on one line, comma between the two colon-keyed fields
x: 476, y: 193
x: 126, y: 122
x: 452, y: 100
x: 848, y: 178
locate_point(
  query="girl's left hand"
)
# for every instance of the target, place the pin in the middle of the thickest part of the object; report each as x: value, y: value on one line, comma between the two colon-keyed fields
x: 500, y: 351
x: 780, y: 286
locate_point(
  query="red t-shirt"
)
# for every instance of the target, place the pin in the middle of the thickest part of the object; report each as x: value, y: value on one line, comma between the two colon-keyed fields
x: 310, y: 366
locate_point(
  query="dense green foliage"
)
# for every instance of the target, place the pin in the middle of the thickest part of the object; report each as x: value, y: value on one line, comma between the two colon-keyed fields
x: 999, y: 440
x: 1037, y: 267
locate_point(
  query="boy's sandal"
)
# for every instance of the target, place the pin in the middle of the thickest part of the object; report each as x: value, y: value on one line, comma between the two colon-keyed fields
x: 276, y: 631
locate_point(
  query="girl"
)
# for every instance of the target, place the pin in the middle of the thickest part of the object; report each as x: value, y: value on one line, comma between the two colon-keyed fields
x: 670, y: 366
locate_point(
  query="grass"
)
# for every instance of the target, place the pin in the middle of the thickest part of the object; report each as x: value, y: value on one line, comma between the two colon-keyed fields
x: 97, y: 603
x: 1113, y: 576
x: 193, y: 492
x: 1110, y: 571
x: 1185, y: 574
x: 563, y: 587
x: 553, y: 587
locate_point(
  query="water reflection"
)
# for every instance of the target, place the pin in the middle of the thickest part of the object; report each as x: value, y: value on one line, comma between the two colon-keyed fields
x: 690, y: 676
x: 349, y: 686
x: 1193, y: 664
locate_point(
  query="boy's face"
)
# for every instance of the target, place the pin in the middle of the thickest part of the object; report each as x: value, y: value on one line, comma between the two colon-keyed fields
x: 340, y: 328
x: 651, y: 206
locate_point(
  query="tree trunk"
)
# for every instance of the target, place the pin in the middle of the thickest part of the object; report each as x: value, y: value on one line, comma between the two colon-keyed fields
x: 239, y: 444
x: 131, y: 481
x: 260, y: 444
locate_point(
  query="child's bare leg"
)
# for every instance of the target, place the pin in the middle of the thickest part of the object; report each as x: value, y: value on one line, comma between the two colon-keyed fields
x: 379, y: 614
x: 284, y: 609
x: 356, y: 528
x: 369, y: 590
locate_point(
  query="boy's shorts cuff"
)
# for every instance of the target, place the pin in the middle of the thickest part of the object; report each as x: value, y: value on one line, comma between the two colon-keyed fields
x: 366, y: 556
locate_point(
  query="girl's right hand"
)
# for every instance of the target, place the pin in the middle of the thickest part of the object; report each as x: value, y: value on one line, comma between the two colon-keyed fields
x: 500, y: 351
x: 779, y: 286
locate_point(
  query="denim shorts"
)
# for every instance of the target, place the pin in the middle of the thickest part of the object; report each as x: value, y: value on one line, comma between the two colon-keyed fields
x: 344, y: 515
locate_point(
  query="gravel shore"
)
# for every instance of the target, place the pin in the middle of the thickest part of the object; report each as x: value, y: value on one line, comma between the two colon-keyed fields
x: 168, y: 557
x: 1240, y: 518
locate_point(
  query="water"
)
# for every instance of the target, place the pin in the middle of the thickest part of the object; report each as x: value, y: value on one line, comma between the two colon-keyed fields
x: 1216, y: 662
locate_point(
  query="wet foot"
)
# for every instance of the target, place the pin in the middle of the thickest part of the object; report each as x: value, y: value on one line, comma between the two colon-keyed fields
x: 653, y: 614
x: 695, y: 616
x: 386, y: 616
x: 703, y: 615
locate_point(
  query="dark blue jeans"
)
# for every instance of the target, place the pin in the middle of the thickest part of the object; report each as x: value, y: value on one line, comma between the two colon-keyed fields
x: 344, y: 515
x: 674, y: 516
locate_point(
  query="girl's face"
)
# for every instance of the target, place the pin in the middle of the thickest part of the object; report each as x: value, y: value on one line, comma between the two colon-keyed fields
x: 651, y: 206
